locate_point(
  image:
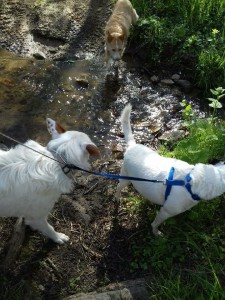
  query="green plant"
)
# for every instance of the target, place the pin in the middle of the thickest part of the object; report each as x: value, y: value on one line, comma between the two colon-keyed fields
x: 190, y: 34
x: 187, y: 113
x: 215, y: 102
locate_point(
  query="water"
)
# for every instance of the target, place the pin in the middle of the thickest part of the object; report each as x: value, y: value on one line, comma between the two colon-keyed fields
x: 80, y: 97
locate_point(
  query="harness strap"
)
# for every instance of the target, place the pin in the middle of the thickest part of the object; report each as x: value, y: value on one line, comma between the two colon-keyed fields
x: 170, y: 182
x: 188, y: 187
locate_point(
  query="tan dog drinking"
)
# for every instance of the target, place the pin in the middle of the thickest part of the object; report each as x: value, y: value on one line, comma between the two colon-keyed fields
x: 117, y: 30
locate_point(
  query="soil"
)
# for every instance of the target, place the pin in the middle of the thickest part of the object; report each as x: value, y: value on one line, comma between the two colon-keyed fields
x: 98, y: 252
x: 100, y: 228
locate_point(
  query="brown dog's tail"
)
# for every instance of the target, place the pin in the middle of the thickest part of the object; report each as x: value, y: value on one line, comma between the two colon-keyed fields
x: 126, y: 127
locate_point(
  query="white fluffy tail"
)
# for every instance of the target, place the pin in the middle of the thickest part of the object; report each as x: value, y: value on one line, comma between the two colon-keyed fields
x: 126, y: 127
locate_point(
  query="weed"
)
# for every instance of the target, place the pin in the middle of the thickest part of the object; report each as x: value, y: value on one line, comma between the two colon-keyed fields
x: 215, y: 102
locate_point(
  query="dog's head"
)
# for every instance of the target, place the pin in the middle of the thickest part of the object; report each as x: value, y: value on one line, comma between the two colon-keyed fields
x: 115, y: 45
x: 72, y: 146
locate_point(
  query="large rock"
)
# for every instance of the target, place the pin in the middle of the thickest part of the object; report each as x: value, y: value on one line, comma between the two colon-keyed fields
x: 128, y: 290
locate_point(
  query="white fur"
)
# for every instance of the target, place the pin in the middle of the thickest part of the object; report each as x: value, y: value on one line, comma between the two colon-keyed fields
x: 207, y: 181
x: 31, y: 183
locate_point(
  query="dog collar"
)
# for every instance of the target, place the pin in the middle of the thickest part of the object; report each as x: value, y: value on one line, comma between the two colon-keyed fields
x: 170, y: 182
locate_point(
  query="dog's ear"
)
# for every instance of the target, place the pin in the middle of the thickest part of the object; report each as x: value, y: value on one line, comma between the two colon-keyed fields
x: 92, y: 150
x: 54, y: 128
x: 122, y: 37
x: 109, y: 38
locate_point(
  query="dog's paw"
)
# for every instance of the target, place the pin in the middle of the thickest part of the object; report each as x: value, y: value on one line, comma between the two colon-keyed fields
x: 157, y: 233
x: 61, y: 238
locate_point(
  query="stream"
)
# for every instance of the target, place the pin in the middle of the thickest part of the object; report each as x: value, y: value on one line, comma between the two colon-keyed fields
x: 79, y: 95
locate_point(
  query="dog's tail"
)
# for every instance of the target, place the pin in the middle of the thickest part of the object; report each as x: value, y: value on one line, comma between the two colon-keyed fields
x: 126, y: 127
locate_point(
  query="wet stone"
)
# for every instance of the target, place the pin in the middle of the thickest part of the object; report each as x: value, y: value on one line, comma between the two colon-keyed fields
x: 154, y: 79
x: 175, y: 77
x: 184, y: 84
x: 172, y: 135
x: 167, y: 81
x: 39, y: 55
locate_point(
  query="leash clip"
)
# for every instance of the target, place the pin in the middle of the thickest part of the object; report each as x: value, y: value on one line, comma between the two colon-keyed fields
x: 66, y: 169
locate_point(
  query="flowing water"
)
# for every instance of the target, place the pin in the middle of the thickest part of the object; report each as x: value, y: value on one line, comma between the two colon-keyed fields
x: 80, y: 96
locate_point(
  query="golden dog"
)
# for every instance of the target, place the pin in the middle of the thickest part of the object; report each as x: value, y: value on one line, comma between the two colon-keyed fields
x: 117, y: 30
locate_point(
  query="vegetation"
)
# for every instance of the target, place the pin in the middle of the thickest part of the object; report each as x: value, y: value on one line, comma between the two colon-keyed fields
x: 190, y: 34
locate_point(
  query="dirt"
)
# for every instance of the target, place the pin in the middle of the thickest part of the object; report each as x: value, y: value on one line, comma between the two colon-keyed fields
x: 53, y: 29
x: 98, y: 252
x: 100, y: 228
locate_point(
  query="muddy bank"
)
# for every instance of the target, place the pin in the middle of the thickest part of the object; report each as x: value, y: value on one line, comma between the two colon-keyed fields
x: 55, y: 30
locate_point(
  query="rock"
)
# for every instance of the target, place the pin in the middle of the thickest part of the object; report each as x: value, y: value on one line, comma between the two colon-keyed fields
x: 155, y: 128
x: 154, y: 79
x: 172, y: 135
x: 117, y: 148
x: 128, y: 290
x: 117, y: 151
x: 82, y: 81
x: 39, y: 55
x: 167, y: 81
x: 185, y: 85
x: 175, y: 77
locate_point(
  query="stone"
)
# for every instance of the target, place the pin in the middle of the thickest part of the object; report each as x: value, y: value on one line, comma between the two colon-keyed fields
x: 185, y: 85
x: 175, y: 77
x: 172, y: 135
x: 39, y: 55
x: 128, y: 290
x: 167, y: 81
x: 154, y: 79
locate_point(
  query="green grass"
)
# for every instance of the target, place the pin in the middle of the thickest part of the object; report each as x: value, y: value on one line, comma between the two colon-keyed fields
x: 187, y: 262
x: 190, y: 34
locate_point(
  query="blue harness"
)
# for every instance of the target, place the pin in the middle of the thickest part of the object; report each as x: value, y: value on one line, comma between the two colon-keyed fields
x: 170, y: 182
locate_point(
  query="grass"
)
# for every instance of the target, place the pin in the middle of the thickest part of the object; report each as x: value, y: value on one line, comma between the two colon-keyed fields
x: 190, y: 34
x: 187, y: 262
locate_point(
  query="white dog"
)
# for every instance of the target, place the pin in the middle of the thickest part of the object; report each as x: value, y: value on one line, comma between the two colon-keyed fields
x: 182, y: 184
x: 117, y: 30
x: 31, y: 183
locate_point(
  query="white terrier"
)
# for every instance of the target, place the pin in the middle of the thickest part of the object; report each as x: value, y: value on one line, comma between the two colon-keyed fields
x: 31, y: 183
x: 176, y: 195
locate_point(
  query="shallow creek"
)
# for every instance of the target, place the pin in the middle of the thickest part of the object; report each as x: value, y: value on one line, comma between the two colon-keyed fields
x: 79, y: 96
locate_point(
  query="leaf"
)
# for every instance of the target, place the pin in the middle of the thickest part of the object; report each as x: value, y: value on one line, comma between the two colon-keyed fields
x: 211, y: 99
x: 215, y: 104
x: 214, y: 92
x: 221, y: 96
x: 194, y: 151
x: 212, y: 137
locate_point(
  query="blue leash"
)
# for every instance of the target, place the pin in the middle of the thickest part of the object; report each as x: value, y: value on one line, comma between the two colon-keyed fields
x: 169, y: 182
x: 112, y: 176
